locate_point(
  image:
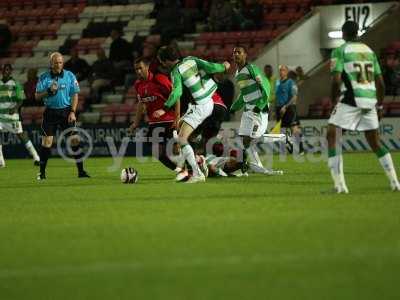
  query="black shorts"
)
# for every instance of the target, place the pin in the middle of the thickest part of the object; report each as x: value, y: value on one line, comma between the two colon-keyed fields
x: 212, y: 125
x: 290, y: 117
x: 54, y: 119
x: 166, y: 131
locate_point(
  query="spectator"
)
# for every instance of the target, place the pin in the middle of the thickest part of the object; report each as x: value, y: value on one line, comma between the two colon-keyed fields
x: 120, y: 49
x: 221, y: 13
x: 191, y: 14
x: 5, y: 39
x: 204, y: 8
x: 253, y: 13
x: 169, y: 21
x: 30, y: 88
x: 269, y: 73
x: 78, y: 66
x: 137, y: 45
x: 103, y: 73
x: 292, y: 75
x: 391, y: 75
x: 301, y: 77
x: 120, y: 55
x: 239, y: 22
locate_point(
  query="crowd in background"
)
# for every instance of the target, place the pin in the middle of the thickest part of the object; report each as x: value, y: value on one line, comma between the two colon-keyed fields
x: 174, y: 18
x: 390, y: 64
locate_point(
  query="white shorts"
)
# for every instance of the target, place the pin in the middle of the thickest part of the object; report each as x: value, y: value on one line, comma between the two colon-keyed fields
x: 13, y: 127
x: 354, y: 118
x: 253, y: 124
x: 196, y: 114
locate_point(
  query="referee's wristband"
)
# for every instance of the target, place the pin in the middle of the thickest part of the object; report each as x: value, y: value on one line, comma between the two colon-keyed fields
x: 72, y: 111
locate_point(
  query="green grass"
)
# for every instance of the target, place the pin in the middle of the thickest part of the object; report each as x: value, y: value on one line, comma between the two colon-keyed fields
x: 247, y: 238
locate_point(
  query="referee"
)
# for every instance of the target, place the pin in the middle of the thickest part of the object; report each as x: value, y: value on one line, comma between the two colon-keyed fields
x: 286, y: 112
x: 59, y: 90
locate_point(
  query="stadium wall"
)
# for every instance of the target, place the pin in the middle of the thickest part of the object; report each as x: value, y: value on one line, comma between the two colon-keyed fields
x: 384, y: 32
x: 299, y: 47
x: 332, y: 18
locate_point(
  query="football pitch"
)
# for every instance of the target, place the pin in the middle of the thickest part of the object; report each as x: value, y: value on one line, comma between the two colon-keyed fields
x: 237, y: 238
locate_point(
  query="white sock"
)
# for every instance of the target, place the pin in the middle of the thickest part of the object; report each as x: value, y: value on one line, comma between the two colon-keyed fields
x: 387, y: 164
x: 256, y: 168
x: 2, y: 162
x: 188, y: 154
x: 335, y: 164
x: 221, y: 172
x: 255, y: 163
x: 180, y: 160
x: 29, y: 146
x: 341, y: 172
x: 253, y: 156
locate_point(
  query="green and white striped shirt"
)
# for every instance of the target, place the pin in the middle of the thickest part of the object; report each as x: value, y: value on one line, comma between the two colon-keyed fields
x: 217, y: 161
x: 252, y: 93
x: 194, y: 74
x: 359, y: 66
x: 11, y: 94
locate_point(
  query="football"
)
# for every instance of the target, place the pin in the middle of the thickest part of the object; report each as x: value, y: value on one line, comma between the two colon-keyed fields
x: 129, y: 175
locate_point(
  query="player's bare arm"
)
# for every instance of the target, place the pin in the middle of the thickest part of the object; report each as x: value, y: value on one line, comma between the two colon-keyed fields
x: 177, y: 114
x: 159, y: 113
x: 227, y: 65
x: 380, y: 94
x: 74, y: 105
x: 335, y: 88
x: 138, y: 117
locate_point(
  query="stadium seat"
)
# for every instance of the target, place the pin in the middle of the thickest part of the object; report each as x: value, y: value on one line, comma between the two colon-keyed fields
x: 107, y: 114
x: 69, y: 29
x: 394, y: 109
x: 90, y: 117
x: 112, y: 98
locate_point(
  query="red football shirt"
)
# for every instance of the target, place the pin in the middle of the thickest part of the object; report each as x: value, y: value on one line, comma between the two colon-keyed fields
x: 217, y: 99
x: 153, y: 92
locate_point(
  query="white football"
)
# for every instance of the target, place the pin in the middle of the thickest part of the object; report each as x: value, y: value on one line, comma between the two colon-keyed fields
x: 129, y: 175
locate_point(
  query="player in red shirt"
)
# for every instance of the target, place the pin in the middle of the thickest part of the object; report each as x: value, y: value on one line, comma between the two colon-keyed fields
x: 210, y: 126
x: 152, y: 92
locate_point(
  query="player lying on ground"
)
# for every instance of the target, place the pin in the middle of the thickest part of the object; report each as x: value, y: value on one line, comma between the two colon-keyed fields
x: 194, y: 74
x: 253, y: 99
x: 152, y: 92
x: 11, y: 97
x: 357, y: 86
x: 219, y: 165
